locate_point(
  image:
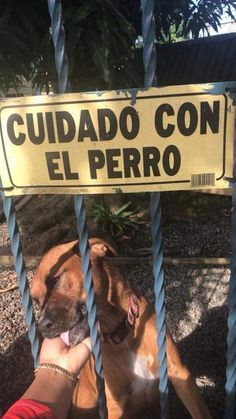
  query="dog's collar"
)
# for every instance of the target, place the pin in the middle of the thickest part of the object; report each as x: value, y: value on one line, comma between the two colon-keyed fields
x: 124, y: 328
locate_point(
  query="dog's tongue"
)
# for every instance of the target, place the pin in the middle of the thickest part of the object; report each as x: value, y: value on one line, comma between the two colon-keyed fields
x: 65, y: 337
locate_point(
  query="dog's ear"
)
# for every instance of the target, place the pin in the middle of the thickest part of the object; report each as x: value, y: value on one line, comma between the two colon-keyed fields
x: 99, y: 248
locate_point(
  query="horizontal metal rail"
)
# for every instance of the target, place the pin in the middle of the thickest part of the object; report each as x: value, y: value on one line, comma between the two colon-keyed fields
x: 32, y: 261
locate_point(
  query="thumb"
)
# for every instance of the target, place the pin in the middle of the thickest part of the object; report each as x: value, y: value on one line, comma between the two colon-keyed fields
x: 81, y: 353
x: 88, y: 343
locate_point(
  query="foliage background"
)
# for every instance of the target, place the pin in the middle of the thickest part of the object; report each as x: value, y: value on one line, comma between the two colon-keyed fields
x: 100, y: 38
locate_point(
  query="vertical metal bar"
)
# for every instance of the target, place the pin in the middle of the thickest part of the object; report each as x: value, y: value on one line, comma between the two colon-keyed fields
x: 16, y: 248
x: 149, y: 60
x: 158, y: 273
x: 230, y: 386
x: 149, y: 37
x: 58, y: 36
x: 90, y: 301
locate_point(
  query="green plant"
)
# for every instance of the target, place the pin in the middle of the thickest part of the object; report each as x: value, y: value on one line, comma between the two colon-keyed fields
x: 115, y: 222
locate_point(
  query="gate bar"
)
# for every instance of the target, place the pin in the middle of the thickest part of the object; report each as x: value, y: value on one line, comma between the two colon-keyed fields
x: 61, y: 60
x: 230, y: 402
x: 16, y: 248
x: 149, y: 61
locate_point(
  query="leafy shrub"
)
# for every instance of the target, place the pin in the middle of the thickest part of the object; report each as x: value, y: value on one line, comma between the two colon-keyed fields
x: 115, y: 222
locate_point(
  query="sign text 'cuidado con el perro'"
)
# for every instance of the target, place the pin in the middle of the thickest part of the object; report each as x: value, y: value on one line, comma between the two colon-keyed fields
x: 159, y: 140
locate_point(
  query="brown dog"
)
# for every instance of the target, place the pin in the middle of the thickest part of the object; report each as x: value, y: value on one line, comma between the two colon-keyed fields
x: 128, y: 334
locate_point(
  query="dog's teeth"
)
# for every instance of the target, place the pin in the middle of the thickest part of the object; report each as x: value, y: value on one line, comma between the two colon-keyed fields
x: 65, y: 337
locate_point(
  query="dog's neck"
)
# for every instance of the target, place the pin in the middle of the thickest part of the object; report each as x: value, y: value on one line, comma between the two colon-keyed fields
x: 123, y: 329
x: 117, y: 312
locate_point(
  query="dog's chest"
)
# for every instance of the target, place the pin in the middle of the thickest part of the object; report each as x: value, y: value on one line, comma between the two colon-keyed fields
x: 143, y: 372
x: 143, y: 366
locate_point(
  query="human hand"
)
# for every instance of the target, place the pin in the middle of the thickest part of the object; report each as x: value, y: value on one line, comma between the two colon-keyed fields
x: 55, y: 351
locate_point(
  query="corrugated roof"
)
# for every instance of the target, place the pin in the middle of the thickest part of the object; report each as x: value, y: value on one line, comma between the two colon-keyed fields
x: 204, y: 60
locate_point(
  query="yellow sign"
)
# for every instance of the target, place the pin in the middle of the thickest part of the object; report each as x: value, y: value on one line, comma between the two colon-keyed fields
x: 157, y: 139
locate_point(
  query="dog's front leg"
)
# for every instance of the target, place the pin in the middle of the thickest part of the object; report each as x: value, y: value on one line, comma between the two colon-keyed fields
x: 184, y: 383
x: 115, y: 410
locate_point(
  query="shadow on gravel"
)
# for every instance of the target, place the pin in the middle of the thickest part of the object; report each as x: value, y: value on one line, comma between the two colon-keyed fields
x: 203, y: 351
x: 17, y: 371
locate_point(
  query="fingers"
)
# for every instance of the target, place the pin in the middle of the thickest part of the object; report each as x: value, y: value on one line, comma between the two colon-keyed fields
x: 48, y: 346
x: 52, y: 348
x: 81, y: 353
x: 88, y: 343
x: 56, y: 351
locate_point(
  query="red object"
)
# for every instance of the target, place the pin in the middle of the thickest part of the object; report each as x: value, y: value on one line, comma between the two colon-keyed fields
x: 28, y: 409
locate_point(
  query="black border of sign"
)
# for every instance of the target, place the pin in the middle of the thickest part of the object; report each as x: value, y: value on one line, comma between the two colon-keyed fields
x: 112, y: 100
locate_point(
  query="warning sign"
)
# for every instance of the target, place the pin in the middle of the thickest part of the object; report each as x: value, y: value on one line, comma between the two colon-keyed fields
x: 148, y: 140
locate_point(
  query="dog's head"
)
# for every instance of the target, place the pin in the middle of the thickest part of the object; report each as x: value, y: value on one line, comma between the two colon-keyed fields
x: 58, y: 287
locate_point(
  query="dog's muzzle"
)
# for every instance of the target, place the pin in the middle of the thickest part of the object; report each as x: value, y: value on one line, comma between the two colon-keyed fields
x: 57, y: 320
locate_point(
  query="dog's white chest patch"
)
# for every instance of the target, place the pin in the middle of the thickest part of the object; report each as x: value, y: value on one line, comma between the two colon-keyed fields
x: 142, y: 365
x: 144, y: 378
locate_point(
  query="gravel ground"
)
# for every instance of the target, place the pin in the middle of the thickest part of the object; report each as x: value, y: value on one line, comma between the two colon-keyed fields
x: 196, y: 314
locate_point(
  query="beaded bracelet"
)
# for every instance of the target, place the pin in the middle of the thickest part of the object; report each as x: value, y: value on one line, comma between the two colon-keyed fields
x: 58, y: 369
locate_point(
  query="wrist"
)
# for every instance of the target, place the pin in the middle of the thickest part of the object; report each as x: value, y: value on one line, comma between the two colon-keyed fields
x: 52, y: 389
x: 54, y: 378
x: 48, y: 385
x: 59, y: 369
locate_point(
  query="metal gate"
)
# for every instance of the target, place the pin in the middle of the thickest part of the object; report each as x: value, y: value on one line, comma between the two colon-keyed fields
x: 149, y: 59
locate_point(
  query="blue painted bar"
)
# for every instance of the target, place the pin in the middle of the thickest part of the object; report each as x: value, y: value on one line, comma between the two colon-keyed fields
x: 16, y: 248
x: 158, y: 273
x: 90, y: 300
x: 230, y: 386
x: 149, y: 61
x: 58, y: 36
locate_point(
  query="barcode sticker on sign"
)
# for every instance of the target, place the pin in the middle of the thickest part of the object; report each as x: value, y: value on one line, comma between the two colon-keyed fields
x: 203, y: 179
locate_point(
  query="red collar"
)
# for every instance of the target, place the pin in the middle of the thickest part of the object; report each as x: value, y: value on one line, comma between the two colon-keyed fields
x: 124, y: 328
